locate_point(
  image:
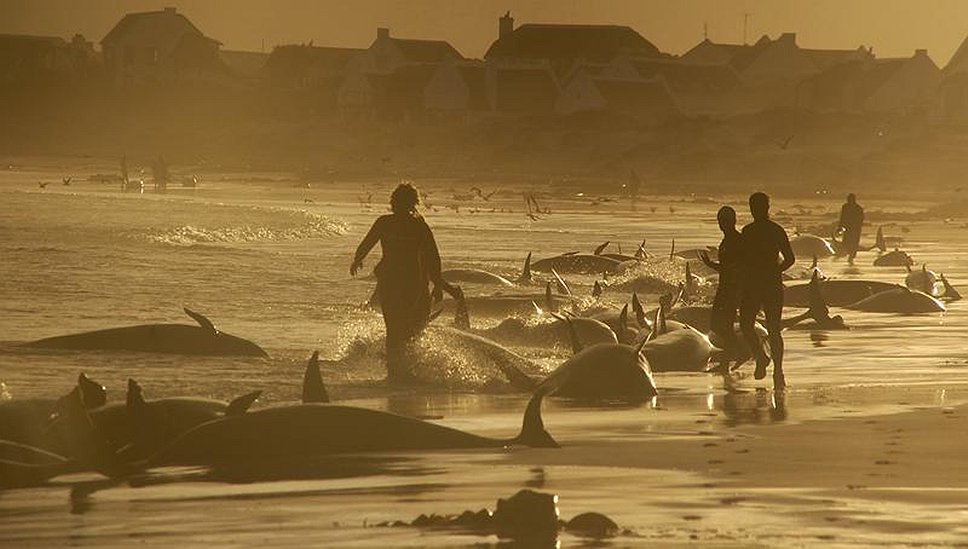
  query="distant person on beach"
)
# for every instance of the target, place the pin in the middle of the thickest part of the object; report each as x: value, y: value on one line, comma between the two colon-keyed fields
x: 764, y: 243
x: 159, y: 172
x: 410, y: 263
x: 851, y: 221
x: 726, y: 302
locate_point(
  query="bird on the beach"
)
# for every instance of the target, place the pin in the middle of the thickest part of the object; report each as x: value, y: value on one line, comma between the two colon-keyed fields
x: 785, y: 143
x: 66, y: 180
x: 43, y: 184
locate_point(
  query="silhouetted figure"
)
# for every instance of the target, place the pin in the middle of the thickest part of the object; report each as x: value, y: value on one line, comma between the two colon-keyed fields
x: 159, y: 172
x: 410, y: 262
x: 763, y: 243
x: 726, y: 302
x: 851, y: 220
x: 124, y: 172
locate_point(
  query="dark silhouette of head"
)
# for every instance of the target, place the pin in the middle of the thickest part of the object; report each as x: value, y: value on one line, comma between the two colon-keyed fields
x: 727, y: 218
x: 404, y: 199
x: 760, y: 206
x: 852, y: 198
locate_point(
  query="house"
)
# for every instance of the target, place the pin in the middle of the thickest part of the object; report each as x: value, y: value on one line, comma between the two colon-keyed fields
x: 953, y: 88
x: 561, y: 46
x: 699, y: 88
x: 244, y: 64
x: 522, y: 90
x: 708, y: 52
x: 26, y: 59
x: 458, y: 88
x: 386, y: 54
x: 158, y: 44
x: 398, y: 96
x: 306, y: 67
x: 639, y: 98
x: 881, y: 85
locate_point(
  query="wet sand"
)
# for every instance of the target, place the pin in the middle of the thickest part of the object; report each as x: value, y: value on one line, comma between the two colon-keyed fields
x: 865, y: 449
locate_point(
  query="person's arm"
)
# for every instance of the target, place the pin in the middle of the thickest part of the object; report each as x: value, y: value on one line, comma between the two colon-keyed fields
x: 432, y: 264
x: 714, y: 265
x: 370, y: 240
x: 785, y: 250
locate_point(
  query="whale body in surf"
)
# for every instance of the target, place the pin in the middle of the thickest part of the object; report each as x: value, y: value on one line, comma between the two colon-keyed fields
x: 811, y: 245
x: 900, y: 300
x: 201, y: 339
x: 579, y: 263
x: 837, y: 292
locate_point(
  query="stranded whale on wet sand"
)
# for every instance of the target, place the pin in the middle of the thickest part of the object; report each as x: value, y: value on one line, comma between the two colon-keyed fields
x: 203, y: 339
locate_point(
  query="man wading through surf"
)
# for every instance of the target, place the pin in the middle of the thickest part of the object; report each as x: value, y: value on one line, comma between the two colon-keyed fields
x: 726, y: 302
x: 764, y: 242
x: 410, y: 263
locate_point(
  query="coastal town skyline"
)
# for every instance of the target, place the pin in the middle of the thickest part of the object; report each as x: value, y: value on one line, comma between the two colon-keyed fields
x: 896, y: 30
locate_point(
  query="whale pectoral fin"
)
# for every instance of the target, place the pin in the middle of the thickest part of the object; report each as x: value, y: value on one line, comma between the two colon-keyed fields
x: 561, y: 286
x: 205, y: 323
x: 313, y: 389
x: 241, y: 404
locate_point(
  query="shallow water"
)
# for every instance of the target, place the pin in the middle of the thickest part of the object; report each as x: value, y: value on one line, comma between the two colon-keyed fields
x: 266, y: 258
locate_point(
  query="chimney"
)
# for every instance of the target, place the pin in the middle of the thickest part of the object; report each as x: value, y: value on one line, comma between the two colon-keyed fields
x: 505, y: 25
x: 169, y: 11
x: 382, y: 33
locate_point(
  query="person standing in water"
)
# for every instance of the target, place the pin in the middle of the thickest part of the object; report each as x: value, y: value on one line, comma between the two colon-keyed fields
x: 851, y: 221
x: 726, y: 302
x: 764, y: 243
x: 410, y: 262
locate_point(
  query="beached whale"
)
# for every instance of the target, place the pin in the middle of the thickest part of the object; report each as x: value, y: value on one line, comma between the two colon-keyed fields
x: 673, y: 346
x: 27, y: 421
x: 924, y: 280
x: 817, y: 316
x: 203, y: 339
x: 811, y: 245
x: 896, y: 258
x: 837, y: 292
x: 579, y: 263
x: 900, y: 300
x: 308, y: 430
x: 479, y: 276
x: 141, y: 427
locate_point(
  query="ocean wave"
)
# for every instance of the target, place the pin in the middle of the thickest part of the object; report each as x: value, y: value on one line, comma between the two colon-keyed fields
x: 302, y: 225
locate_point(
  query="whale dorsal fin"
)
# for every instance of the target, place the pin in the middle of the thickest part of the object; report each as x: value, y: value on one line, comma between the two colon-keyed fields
x: 640, y: 253
x: 601, y: 247
x: 241, y: 404
x: 549, y: 298
x: 949, y: 291
x: 672, y: 252
x: 313, y: 389
x: 690, y: 284
x: 462, y: 318
x: 135, y: 401
x: 205, y: 323
x: 623, y: 317
x: 537, y: 310
x: 879, y: 241
x: 597, y: 289
x: 639, y: 312
x: 576, y: 345
x: 526, y: 272
x: 95, y: 395
x: 654, y: 330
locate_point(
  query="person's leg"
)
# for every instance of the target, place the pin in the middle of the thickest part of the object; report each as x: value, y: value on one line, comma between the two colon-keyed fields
x: 396, y: 322
x: 749, y: 306
x: 773, y: 309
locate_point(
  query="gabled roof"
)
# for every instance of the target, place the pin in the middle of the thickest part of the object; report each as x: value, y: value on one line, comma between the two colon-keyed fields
x: 164, y: 27
x: 959, y: 61
x: 26, y: 40
x: 426, y: 51
x: 708, y: 51
x: 828, y: 58
x: 600, y: 43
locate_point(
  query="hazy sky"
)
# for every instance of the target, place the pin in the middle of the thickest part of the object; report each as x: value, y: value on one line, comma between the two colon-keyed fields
x: 892, y: 27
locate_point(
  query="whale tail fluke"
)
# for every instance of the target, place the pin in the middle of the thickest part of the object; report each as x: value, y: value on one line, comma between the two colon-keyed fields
x: 313, y: 390
x: 950, y: 292
x: 94, y: 394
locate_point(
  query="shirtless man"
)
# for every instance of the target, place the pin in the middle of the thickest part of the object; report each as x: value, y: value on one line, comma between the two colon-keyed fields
x: 764, y: 242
